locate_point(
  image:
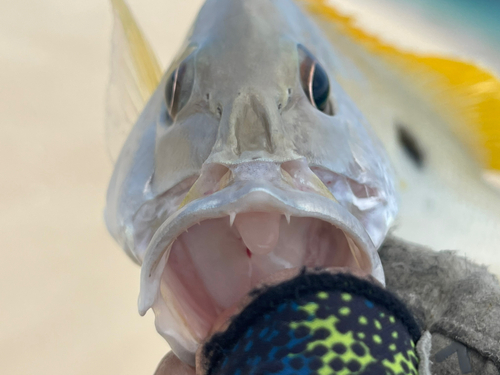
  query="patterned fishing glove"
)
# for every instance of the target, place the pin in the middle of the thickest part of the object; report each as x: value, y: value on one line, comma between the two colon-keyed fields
x: 317, y: 323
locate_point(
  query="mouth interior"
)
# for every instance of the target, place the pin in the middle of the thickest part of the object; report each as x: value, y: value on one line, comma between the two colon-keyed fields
x: 217, y: 262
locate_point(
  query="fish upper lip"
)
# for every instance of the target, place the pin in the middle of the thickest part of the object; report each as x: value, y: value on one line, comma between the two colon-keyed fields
x: 243, y: 197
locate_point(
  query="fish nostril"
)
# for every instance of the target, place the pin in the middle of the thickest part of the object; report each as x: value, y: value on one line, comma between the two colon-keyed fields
x: 285, y: 102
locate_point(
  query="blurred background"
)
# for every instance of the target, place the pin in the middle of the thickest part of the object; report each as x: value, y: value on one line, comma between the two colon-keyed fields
x: 68, y: 292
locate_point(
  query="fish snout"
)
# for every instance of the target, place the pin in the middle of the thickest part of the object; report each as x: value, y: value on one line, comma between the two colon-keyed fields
x: 251, y: 128
x: 292, y: 175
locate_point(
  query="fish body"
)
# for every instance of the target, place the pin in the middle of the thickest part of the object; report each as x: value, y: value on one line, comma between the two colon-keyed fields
x: 257, y: 153
x: 233, y: 133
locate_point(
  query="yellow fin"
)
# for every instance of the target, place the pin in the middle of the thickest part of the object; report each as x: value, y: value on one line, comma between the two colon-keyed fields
x: 135, y: 74
x: 144, y: 60
x: 468, y: 95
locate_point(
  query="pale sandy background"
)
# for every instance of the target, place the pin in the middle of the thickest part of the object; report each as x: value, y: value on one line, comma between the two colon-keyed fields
x: 68, y: 293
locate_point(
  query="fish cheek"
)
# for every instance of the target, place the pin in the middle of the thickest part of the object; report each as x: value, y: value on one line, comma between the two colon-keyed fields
x: 298, y: 123
x: 182, y: 149
x: 320, y: 138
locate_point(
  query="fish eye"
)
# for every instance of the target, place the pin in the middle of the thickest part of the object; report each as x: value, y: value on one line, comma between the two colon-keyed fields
x: 179, y: 87
x: 314, y: 81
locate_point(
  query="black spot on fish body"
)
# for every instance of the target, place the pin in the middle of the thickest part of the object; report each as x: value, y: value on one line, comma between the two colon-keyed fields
x: 410, y: 145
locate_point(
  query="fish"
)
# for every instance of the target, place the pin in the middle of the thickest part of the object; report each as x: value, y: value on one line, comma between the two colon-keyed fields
x: 278, y: 138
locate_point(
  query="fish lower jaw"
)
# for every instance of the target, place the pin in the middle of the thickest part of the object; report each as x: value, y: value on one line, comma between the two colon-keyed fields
x: 208, y: 255
x: 213, y: 265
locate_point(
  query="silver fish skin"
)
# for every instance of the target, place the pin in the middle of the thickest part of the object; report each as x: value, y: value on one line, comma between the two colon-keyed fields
x: 231, y: 135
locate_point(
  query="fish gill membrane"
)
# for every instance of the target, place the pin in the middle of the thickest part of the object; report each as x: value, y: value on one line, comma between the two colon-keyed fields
x: 254, y: 154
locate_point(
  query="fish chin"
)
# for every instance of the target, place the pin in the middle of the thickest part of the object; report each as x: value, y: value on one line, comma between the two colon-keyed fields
x: 207, y: 256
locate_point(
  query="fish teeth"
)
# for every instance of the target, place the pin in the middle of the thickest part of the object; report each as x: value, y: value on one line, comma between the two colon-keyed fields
x: 287, y: 217
x: 352, y: 247
x: 232, y: 216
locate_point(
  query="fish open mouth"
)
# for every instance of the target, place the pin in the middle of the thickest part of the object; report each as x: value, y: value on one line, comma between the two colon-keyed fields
x: 213, y: 265
x: 207, y: 256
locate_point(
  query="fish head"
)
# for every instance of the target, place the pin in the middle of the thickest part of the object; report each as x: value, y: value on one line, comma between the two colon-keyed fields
x: 248, y: 159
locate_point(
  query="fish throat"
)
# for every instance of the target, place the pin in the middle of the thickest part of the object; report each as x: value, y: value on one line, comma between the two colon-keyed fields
x: 213, y: 264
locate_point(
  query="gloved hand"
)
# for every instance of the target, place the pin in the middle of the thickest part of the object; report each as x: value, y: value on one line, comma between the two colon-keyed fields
x: 315, y: 323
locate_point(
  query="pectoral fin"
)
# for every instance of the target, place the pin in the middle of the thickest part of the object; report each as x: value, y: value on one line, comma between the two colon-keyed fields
x: 135, y: 74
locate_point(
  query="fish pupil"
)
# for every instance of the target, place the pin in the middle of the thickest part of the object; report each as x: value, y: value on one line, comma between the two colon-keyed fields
x: 169, y: 90
x: 314, y: 81
x: 179, y: 86
x: 320, y: 88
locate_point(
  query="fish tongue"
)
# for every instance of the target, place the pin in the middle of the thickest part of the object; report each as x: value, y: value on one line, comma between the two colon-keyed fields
x: 220, y: 260
x: 259, y: 231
